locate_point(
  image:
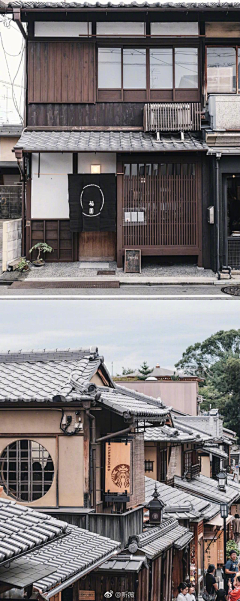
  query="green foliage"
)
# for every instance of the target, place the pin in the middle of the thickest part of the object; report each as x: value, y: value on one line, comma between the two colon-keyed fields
x: 41, y: 247
x: 217, y: 361
x: 232, y: 546
x: 198, y: 358
x: 127, y: 371
x: 145, y: 371
x: 23, y: 264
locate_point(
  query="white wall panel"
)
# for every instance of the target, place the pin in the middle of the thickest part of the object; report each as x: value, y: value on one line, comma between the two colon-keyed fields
x: 107, y: 160
x: 50, y: 190
x: 180, y: 28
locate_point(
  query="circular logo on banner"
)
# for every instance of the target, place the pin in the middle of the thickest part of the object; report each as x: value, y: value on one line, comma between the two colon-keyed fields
x: 92, y: 200
x: 121, y: 475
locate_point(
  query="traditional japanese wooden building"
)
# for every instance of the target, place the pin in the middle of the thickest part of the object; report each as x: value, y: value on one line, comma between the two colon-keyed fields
x: 122, y: 145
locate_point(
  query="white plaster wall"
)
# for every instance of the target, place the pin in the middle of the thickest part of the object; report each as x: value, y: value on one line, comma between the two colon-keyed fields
x: 224, y: 111
x: 10, y: 179
x: 61, y: 29
x: 107, y: 160
x: 49, y: 198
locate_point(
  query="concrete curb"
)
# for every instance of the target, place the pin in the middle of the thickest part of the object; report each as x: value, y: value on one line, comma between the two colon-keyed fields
x: 143, y: 281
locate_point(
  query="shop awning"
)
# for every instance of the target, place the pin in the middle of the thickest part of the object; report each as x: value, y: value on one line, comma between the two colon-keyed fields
x: 106, y: 141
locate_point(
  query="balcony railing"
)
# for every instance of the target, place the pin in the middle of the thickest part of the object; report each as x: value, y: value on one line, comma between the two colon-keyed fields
x: 172, y: 117
x: 10, y: 202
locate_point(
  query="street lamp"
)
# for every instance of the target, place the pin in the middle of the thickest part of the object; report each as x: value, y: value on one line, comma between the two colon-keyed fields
x: 155, y: 507
x: 222, y: 481
x: 224, y: 514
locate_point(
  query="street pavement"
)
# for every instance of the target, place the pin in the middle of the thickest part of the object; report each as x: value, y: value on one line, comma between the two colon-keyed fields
x: 125, y: 291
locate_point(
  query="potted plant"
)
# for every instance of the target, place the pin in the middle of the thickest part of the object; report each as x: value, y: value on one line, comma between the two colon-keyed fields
x: 23, y: 265
x: 41, y: 247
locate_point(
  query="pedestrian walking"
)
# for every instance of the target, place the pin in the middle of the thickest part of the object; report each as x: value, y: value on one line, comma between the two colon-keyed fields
x: 230, y: 570
x: 190, y: 596
x: 234, y: 595
x: 182, y: 591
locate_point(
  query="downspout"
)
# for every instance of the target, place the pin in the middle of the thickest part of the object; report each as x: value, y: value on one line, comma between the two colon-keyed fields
x: 218, y: 156
x: 92, y: 459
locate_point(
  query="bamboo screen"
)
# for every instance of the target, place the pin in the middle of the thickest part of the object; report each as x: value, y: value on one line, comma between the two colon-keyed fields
x: 160, y: 205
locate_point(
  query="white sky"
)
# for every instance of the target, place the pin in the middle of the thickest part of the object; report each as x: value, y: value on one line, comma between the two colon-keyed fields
x: 126, y: 332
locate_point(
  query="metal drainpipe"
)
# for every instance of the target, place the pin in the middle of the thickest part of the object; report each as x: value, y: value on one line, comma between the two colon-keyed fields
x: 114, y: 434
x: 92, y: 475
x: 218, y: 156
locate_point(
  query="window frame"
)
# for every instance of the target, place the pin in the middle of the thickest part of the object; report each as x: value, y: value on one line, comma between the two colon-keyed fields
x: 13, y: 453
x: 148, y: 94
x: 237, y: 50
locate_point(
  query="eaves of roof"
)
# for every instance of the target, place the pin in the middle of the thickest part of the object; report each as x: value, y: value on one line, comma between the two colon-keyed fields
x: 178, y: 5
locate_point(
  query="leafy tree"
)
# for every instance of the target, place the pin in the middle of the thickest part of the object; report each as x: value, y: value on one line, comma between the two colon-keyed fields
x: 127, y: 371
x: 198, y: 358
x: 145, y: 371
x: 217, y: 361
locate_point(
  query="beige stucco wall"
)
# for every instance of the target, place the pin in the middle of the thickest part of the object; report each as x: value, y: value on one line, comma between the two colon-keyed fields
x: 205, y: 466
x: 67, y: 453
x: 181, y: 395
x: 150, y: 454
x: 6, y: 146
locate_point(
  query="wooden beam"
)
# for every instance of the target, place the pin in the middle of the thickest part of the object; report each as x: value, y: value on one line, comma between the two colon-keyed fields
x: 17, y: 19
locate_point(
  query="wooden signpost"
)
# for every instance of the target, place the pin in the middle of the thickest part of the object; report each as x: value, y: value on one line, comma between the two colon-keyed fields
x: 86, y: 595
x: 132, y: 262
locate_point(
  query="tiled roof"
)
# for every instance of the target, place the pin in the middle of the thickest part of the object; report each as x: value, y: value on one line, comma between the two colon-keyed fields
x: 215, y: 451
x: 124, y: 563
x: 209, y: 489
x: 79, y: 552
x: 39, y: 376
x: 10, y: 130
x: 154, y: 541
x: 122, y: 403
x: 105, y: 141
x: 126, y: 4
x: 165, y: 433
x: 23, y: 529
x: 196, y: 507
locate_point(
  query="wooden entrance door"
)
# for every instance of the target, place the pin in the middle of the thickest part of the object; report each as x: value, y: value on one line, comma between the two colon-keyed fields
x: 97, y: 246
x: 161, y: 208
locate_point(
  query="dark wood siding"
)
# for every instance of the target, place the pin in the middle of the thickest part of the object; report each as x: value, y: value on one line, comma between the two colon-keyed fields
x: 61, y: 72
x: 103, y: 113
x: 56, y: 233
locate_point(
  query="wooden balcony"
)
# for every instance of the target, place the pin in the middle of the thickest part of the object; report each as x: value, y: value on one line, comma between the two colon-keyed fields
x: 172, y: 117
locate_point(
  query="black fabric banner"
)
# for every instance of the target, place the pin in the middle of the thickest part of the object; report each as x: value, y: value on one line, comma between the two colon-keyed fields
x: 92, y: 202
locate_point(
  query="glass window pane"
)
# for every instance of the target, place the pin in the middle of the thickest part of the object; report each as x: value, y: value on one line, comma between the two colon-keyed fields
x: 179, y: 28
x: 120, y: 28
x: 109, y: 68
x: 221, y: 70
x: 134, y: 69
x: 161, y: 68
x: 186, y: 68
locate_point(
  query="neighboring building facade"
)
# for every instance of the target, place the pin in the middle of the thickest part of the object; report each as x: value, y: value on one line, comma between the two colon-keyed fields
x: 129, y: 100
x: 71, y: 446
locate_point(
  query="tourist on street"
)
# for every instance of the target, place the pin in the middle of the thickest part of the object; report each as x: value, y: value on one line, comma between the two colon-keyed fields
x: 230, y: 570
x: 183, y: 589
x: 234, y: 595
x: 211, y: 583
x: 221, y: 595
x: 190, y: 596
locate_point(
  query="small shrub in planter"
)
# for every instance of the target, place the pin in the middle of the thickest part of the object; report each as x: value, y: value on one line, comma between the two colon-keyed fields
x: 23, y: 265
x: 41, y: 247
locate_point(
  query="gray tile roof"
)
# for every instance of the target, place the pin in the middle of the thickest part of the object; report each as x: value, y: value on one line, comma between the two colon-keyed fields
x: 124, y: 563
x: 79, y: 552
x: 105, y: 141
x: 215, y: 451
x: 126, y: 4
x: 22, y: 529
x: 39, y: 376
x: 22, y: 573
x: 10, y: 131
x: 196, y: 507
x: 154, y: 541
x: 166, y: 433
x: 209, y: 489
x: 123, y: 403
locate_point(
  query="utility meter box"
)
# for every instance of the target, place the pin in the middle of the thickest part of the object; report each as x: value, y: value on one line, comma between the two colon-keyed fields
x: 210, y: 215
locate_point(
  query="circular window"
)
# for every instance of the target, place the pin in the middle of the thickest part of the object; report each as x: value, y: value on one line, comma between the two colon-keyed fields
x: 26, y: 470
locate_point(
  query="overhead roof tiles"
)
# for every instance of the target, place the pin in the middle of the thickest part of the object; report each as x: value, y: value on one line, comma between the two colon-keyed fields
x: 106, y: 141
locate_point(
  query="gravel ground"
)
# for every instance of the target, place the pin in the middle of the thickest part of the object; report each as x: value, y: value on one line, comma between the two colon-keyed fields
x: 74, y: 270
